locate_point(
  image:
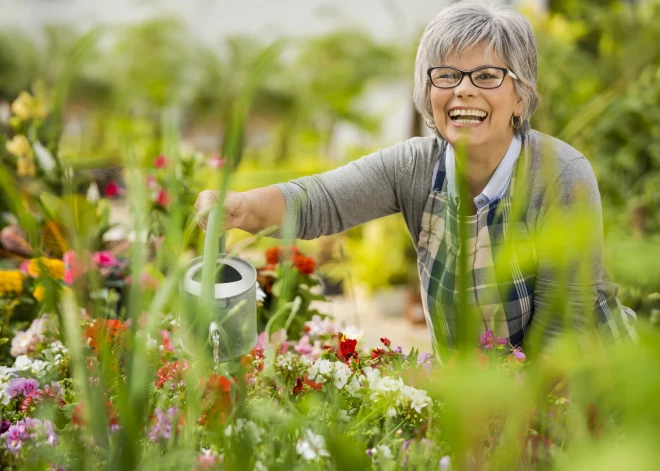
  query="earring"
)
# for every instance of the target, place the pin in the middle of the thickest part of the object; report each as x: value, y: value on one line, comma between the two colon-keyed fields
x: 516, y: 121
x: 428, y: 125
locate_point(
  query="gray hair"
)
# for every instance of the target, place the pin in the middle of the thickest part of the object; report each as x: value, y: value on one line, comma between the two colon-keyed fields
x: 463, y: 25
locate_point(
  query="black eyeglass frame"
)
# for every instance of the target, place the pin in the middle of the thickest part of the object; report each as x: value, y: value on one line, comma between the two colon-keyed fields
x: 469, y: 74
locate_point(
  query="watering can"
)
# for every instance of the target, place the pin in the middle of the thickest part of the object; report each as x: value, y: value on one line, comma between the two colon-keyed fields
x: 230, y: 328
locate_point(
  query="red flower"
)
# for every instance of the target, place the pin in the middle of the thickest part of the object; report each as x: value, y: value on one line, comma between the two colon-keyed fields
x: 298, y: 388
x: 272, y: 255
x: 163, y: 198
x: 171, y: 371
x: 385, y: 341
x: 111, y: 189
x: 161, y: 161
x: 347, y: 347
x: 305, y: 265
x: 376, y: 353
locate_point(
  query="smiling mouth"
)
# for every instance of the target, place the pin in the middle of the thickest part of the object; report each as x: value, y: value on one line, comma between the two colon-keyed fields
x: 467, y: 116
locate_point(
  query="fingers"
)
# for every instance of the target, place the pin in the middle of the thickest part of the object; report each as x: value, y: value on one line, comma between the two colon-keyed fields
x: 207, y: 200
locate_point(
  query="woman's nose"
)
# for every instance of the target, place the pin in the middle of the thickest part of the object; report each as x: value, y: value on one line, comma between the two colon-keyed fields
x: 466, y: 88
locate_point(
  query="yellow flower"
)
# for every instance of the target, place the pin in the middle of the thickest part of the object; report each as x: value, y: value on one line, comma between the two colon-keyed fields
x: 23, y: 106
x: 20, y: 147
x: 54, y: 267
x: 39, y: 293
x: 11, y: 282
x: 25, y: 167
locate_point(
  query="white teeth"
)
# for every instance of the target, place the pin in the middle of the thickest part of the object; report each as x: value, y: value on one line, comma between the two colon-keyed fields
x: 467, y: 121
x: 466, y: 112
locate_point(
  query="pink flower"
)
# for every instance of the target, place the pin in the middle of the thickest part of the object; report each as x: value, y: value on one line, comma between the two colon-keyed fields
x: 25, y: 265
x: 305, y: 348
x: 519, y: 355
x: 161, y: 161
x: 276, y: 341
x: 73, y: 267
x: 152, y: 184
x: 216, y: 162
x: 167, y: 342
x: 162, y: 198
x: 105, y: 259
x: 486, y: 339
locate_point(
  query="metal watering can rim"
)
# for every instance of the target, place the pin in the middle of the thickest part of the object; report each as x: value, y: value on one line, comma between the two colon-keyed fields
x: 222, y: 290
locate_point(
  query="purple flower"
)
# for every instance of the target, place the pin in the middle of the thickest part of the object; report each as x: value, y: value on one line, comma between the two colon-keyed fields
x: 22, y: 386
x: 406, y: 444
x: 51, y: 437
x: 14, y: 446
x: 4, y: 426
x: 114, y: 428
x: 162, y: 428
x: 16, y: 432
x: 502, y: 341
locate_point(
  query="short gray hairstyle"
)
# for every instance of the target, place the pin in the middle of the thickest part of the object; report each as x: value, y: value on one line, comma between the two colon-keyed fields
x: 466, y: 24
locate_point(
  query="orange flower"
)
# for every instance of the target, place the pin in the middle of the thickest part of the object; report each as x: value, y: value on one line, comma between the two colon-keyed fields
x: 103, y: 331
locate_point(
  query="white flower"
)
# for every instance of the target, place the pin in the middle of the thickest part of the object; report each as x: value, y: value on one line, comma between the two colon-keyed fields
x: 22, y: 363
x: 341, y: 374
x: 93, y: 193
x: 36, y: 367
x: 372, y: 374
x: 353, y: 386
x: 320, y: 368
x: 45, y: 158
x: 384, y: 451
x: 311, y: 446
x: 395, y: 393
x: 353, y: 333
x: 445, y: 462
x: 261, y: 296
x: 21, y: 343
x: 343, y: 416
x: 259, y: 466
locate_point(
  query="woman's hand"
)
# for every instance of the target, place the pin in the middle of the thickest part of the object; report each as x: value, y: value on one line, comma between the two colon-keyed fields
x: 235, y: 208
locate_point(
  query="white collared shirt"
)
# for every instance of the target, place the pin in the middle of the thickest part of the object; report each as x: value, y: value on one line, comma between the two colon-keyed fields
x: 498, y: 183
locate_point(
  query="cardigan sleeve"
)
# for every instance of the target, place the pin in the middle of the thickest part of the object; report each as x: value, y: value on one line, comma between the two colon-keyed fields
x: 337, y: 200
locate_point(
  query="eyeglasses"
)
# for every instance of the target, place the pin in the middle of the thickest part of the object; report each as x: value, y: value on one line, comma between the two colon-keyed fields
x: 482, y: 77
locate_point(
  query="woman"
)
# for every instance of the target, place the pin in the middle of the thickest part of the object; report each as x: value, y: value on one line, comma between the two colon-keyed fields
x: 475, y: 84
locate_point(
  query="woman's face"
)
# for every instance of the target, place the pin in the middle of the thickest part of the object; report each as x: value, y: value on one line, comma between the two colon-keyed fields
x: 499, y: 104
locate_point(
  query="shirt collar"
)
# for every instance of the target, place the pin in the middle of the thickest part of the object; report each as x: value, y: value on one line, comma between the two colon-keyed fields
x: 497, y: 184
